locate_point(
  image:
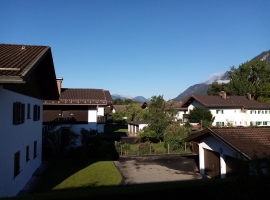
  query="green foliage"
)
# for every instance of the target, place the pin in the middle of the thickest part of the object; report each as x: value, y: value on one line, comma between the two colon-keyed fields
x: 128, y: 101
x: 96, y: 148
x: 79, y: 155
x: 119, y: 117
x: 199, y: 114
x: 51, y: 143
x: 145, y: 148
x: 134, y: 112
x: 147, y: 135
x: 118, y: 101
x: 159, y: 116
x: 250, y: 77
x: 216, y: 88
x: 174, y: 135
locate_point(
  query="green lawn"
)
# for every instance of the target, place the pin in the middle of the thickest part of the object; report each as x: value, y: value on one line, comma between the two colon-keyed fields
x: 115, y: 129
x: 65, y: 174
x: 158, y: 149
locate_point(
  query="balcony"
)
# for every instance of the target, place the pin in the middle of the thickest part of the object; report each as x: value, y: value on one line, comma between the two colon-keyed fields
x: 101, y: 119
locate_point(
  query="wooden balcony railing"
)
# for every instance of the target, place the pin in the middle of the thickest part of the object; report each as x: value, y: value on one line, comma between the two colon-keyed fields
x: 101, y: 119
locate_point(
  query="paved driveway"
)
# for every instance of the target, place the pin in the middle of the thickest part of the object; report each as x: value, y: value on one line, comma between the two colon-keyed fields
x: 161, y: 168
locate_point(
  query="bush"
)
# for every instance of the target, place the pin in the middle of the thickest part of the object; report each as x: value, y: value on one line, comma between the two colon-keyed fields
x: 174, y: 135
x: 144, y: 148
x: 79, y: 155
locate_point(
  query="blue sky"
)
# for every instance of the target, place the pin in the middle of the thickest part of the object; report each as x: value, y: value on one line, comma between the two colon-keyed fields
x: 134, y: 47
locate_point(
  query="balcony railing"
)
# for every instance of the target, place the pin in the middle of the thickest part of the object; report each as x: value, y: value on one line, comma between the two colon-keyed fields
x: 101, y: 119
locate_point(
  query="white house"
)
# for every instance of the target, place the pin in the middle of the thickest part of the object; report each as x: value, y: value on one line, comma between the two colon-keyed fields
x: 26, y: 77
x: 134, y: 127
x: 232, y: 110
x: 220, y: 148
x: 76, y: 108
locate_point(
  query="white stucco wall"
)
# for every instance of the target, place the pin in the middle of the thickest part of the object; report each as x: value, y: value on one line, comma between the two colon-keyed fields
x: 93, y: 112
x: 213, y: 144
x: 14, y: 138
x: 236, y: 117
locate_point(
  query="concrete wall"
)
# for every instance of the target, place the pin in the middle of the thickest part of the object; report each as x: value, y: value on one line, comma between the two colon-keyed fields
x: 14, y: 138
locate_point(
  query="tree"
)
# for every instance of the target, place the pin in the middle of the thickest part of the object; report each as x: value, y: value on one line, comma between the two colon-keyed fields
x: 159, y: 116
x: 250, y: 77
x: 119, y: 117
x: 200, y: 114
x: 134, y: 112
x: 128, y: 101
x: 174, y: 135
x: 216, y: 88
x: 118, y: 101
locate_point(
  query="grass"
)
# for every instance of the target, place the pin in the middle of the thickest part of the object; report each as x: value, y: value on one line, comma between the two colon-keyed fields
x: 65, y: 174
x: 115, y: 129
x: 158, y: 149
x: 257, y: 188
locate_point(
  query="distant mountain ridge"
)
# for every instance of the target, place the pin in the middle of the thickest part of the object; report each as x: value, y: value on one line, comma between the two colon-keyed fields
x: 201, y: 88
x: 137, y: 98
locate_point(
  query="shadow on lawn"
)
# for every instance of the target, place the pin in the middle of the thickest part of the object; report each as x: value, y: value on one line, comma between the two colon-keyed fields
x: 59, y: 170
x: 252, y: 188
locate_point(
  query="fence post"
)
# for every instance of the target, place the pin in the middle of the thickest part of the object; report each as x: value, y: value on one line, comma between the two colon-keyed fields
x: 121, y: 150
x: 138, y: 150
x: 150, y: 148
x: 185, y: 147
x: 168, y: 148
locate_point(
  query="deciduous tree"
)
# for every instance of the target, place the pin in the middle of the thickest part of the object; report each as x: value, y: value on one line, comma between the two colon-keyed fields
x: 200, y: 114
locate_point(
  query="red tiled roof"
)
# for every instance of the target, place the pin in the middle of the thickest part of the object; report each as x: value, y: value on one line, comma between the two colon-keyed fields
x: 17, y: 60
x: 229, y: 102
x: 108, y: 96
x: 249, y: 141
x: 120, y: 107
x: 81, y: 96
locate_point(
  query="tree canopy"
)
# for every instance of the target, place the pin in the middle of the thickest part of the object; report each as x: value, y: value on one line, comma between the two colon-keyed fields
x: 200, y: 114
x: 250, y: 77
x: 159, y: 116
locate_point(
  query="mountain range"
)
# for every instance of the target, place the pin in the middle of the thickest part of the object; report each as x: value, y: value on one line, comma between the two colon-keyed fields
x: 137, y: 98
x: 199, y: 88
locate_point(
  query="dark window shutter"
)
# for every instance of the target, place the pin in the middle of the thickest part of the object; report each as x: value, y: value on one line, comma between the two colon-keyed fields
x: 38, y: 113
x: 35, y: 113
x: 16, y: 163
x: 22, y: 113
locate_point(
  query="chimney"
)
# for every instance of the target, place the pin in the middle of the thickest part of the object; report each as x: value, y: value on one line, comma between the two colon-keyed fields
x: 249, y: 96
x: 223, y: 94
x: 59, y: 84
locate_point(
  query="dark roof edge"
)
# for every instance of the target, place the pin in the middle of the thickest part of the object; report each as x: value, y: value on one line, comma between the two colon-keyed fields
x: 35, y: 64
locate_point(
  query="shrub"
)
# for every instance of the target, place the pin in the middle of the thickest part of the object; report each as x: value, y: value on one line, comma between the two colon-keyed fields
x: 79, y: 155
x: 144, y: 148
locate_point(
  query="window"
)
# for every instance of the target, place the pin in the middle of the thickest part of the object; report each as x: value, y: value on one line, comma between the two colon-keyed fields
x: 259, y: 111
x: 251, y: 112
x: 262, y: 112
x: 265, y: 123
x: 219, y: 111
x: 219, y: 123
x: 258, y: 123
x: 18, y: 113
x: 265, y: 112
x: 35, y: 149
x: 36, y: 113
x: 28, y: 110
x: 27, y: 153
x: 16, y: 163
